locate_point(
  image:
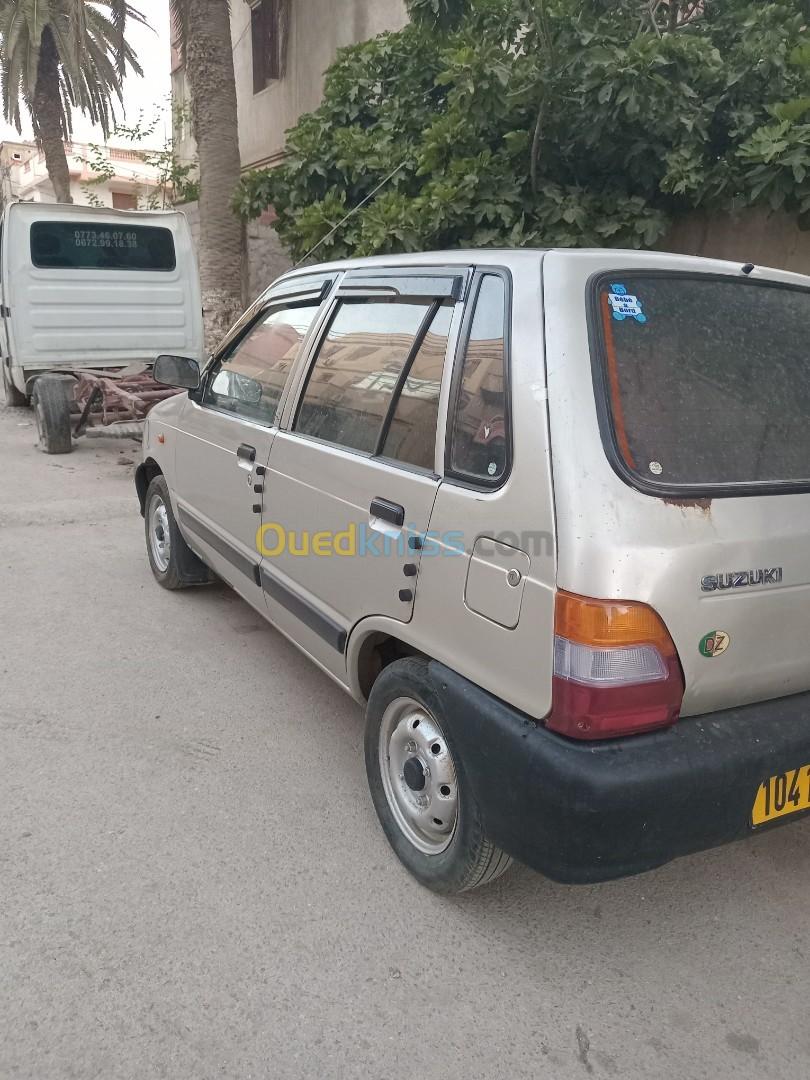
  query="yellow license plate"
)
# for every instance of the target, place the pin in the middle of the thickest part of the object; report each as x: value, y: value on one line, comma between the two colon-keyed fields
x: 786, y: 793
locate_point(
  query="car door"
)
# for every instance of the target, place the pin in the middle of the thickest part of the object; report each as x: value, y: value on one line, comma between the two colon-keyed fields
x: 227, y: 429
x: 353, y: 474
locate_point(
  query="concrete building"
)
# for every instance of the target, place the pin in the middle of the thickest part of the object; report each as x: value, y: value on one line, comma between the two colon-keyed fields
x: 129, y: 187
x: 281, y: 49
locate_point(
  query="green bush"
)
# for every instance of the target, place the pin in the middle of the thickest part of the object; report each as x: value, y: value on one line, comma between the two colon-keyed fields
x: 538, y: 122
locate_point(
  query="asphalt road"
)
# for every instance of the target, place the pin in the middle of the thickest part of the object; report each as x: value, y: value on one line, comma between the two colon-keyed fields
x: 193, y: 883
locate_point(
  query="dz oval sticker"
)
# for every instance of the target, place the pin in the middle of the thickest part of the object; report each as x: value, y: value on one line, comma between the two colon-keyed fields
x: 714, y: 644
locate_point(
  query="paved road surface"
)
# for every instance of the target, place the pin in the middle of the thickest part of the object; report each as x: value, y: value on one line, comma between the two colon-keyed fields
x: 193, y: 884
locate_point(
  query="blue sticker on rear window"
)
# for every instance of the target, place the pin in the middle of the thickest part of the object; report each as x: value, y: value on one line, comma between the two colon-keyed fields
x: 624, y: 305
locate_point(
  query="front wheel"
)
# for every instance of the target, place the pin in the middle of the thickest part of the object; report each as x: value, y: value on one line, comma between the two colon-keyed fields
x: 173, y: 563
x: 51, y: 401
x: 418, y: 785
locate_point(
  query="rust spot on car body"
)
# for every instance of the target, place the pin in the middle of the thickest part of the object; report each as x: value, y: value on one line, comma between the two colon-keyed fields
x: 691, y: 504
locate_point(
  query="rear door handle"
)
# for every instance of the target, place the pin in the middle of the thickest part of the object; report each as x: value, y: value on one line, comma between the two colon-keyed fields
x: 388, y: 511
x: 246, y: 456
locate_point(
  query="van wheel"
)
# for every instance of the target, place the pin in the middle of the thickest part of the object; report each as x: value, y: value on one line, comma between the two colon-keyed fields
x: 418, y: 785
x: 173, y: 563
x: 51, y: 401
x: 14, y: 399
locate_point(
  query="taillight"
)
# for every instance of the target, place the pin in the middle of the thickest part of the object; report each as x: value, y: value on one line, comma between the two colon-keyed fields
x: 616, y: 669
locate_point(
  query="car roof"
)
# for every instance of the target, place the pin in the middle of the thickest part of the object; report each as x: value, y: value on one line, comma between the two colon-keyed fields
x: 78, y: 210
x: 457, y: 257
x: 514, y: 258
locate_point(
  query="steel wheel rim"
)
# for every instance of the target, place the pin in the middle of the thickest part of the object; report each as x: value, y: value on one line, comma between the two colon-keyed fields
x: 160, y: 541
x: 412, y: 748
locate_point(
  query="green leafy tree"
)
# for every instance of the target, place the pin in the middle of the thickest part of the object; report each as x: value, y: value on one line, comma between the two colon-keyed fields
x: 445, y: 14
x: 60, y: 55
x: 565, y: 122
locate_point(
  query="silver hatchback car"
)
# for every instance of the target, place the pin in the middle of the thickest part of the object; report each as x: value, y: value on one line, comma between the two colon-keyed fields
x: 546, y: 515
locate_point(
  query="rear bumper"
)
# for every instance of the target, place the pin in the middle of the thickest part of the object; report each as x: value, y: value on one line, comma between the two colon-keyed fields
x: 586, y: 812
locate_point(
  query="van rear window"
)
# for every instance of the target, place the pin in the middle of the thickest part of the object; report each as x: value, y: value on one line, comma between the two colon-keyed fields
x: 77, y: 245
x: 707, y: 379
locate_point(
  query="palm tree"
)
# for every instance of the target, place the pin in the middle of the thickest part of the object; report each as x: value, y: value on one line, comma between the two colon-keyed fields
x: 57, y: 55
x: 205, y: 39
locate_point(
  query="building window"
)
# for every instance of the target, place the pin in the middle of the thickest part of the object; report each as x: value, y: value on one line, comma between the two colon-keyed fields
x: 124, y: 200
x: 265, y: 33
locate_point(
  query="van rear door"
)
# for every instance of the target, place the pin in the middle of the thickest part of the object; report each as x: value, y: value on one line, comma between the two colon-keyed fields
x: 89, y: 287
x: 694, y: 482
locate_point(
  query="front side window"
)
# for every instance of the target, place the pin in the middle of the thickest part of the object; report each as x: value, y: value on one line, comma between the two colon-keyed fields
x: 707, y: 379
x: 250, y: 380
x: 357, y: 371
x: 88, y: 246
x: 480, y: 436
x: 411, y: 437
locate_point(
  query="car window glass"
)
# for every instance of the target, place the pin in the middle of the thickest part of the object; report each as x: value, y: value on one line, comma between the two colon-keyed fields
x: 412, y: 435
x: 707, y: 378
x: 84, y: 245
x: 356, y: 371
x: 479, y: 439
x: 250, y: 381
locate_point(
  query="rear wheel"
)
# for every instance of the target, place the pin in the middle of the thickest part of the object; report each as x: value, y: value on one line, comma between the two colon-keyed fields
x: 14, y: 399
x: 419, y: 787
x: 51, y: 401
x: 173, y: 563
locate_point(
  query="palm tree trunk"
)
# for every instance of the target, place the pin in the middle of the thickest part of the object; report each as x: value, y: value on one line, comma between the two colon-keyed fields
x: 47, y: 118
x: 209, y: 67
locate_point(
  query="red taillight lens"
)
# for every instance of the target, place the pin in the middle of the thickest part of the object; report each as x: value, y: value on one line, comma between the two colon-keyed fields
x: 616, y: 669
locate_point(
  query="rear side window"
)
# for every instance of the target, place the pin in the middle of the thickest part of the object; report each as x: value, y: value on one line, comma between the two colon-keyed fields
x: 707, y: 379
x: 84, y: 246
x: 479, y: 442
x: 360, y: 372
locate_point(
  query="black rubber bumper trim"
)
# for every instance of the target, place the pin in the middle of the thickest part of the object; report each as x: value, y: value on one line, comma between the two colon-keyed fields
x: 590, y: 811
x: 332, y: 633
x: 226, y: 550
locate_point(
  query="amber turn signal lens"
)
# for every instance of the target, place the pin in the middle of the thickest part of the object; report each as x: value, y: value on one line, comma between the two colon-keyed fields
x: 605, y: 624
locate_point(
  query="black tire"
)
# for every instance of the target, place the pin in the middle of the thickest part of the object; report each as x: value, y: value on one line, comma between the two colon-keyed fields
x: 470, y: 859
x: 179, y: 567
x: 50, y: 399
x: 14, y: 399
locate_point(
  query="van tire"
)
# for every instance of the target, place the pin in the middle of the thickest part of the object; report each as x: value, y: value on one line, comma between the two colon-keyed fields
x: 178, y: 567
x: 14, y: 399
x: 50, y: 399
x: 470, y: 858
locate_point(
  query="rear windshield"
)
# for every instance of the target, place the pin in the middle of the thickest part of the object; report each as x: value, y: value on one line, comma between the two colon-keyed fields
x: 708, y: 379
x: 81, y: 246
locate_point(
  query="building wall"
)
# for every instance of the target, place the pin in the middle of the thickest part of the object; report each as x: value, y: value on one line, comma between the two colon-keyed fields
x: 26, y: 176
x: 267, y: 259
x: 316, y: 30
x: 752, y: 235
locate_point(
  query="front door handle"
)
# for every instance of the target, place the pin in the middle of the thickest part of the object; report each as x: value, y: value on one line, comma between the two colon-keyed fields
x: 388, y: 511
x: 246, y: 456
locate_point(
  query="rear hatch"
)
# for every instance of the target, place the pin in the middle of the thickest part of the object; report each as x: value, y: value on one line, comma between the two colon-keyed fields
x: 679, y: 397
x: 87, y: 287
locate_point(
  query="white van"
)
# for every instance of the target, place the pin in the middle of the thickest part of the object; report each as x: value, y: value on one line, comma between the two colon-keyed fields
x: 88, y: 289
